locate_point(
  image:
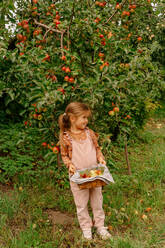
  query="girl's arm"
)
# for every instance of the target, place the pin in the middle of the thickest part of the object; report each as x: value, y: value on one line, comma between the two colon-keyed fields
x: 65, y: 156
x: 100, y: 156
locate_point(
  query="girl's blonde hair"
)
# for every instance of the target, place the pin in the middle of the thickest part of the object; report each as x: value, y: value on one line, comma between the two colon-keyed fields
x: 75, y: 109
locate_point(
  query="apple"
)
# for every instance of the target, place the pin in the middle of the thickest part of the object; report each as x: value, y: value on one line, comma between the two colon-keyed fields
x: 97, y: 3
x: 56, y: 149
x: 116, y: 109
x: 124, y: 13
x: 25, y: 26
x: 101, y: 55
x: 71, y: 80
x: 106, y: 64
x: 101, y: 67
x: 144, y: 217
x: 44, y: 144
x: 118, y: 6
x: 92, y: 173
x: 39, y: 117
x: 19, y: 37
x: 111, y: 112
x: 67, y: 70
x: 126, y: 65
x: 34, y: 13
x: 20, y: 188
x: 133, y: 6
x: 54, y: 78
x: 52, y: 6
x: 47, y: 58
x: 103, y: 43
x: 61, y: 90
x: 63, y: 57
x: 98, y: 172
x: 132, y: 10
x: 24, y: 38
x: 97, y: 20
x: 66, y: 78
x: 139, y: 38
x: 24, y: 22
x: 35, y: 116
x: 148, y: 209
x: 57, y: 17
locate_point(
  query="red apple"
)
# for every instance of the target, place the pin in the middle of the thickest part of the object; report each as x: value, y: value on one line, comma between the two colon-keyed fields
x: 101, y: 55
x: 67, y: 70
x: 44, y: 144
x: 19, y: 37
x: 71, y: 80
x: 63, y: 58
x: 111, y: 112
x: 66, y: 78
x: 116, y: 109
x: 139, y: 38
x: 56, y: 149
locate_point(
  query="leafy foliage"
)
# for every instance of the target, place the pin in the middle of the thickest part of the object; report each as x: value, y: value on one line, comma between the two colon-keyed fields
x: 98, y: 52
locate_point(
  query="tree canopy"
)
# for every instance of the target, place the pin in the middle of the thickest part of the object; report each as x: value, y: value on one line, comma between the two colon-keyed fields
x: 109, y: 54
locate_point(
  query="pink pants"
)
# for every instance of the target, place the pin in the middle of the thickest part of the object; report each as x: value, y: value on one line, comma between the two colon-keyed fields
x: 81, y: 198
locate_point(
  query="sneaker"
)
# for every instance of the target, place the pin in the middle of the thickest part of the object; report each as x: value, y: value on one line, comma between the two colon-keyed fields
x: 102, y: 231
x: 87, y: 234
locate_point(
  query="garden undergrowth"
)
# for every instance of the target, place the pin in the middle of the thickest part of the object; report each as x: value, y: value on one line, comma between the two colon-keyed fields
x: 134, y: 205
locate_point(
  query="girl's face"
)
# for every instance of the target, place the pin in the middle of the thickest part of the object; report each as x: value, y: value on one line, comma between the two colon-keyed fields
x: 81, y: 121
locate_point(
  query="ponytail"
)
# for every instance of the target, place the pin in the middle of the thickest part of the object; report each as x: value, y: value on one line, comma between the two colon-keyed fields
x: 64, y: 122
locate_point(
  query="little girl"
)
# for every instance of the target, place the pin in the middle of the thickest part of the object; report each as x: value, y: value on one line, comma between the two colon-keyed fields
x: 79, y: 150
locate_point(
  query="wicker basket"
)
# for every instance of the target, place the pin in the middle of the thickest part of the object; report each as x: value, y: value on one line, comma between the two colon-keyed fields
x: 93, y: 184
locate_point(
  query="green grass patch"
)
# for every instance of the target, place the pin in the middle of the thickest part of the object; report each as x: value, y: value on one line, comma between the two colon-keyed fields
x: 134, y: 205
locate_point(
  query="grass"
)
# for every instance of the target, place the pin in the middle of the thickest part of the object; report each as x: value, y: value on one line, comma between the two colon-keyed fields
x: 134, y: 205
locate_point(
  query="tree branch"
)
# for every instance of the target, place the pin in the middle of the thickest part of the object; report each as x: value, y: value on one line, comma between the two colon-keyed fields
x: 126, y: 156
x: 71, y: 19
x: 49, y: 28
x: 122, y: 4
x: 62, y: 47
x: 68, y: 33
x: 54, y: 30
x: 46, y: 33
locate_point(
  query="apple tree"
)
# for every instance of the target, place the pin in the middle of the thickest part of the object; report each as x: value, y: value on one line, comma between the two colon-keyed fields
x: 98, y: 52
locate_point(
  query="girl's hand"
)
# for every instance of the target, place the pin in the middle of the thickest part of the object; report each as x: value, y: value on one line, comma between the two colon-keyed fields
x: 102, y: 161
x: 72, y: 169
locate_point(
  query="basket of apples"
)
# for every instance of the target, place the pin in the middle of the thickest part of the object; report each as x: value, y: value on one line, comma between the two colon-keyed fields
x: 95, y: 176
